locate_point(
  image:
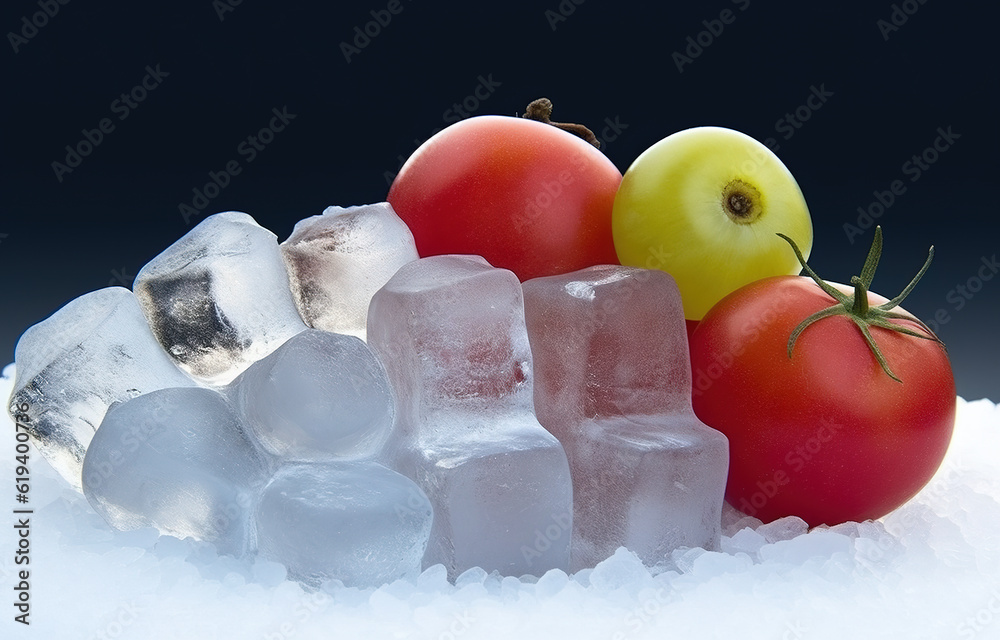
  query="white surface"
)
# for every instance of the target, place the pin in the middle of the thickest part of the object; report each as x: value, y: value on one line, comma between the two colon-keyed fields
x: 931, y: 569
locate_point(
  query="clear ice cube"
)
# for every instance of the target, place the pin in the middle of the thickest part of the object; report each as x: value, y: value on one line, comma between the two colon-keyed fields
x: 338, y: 260
x: 218, y: 299
x: 613, y: 383
x: 319, y: 396
x: 357, y: 522
x: 178, y: 460
x: 450, y: 330
x: 72, y: 366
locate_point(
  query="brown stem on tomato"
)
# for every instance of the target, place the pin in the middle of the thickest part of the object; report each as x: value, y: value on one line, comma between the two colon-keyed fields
x: 541, y: 110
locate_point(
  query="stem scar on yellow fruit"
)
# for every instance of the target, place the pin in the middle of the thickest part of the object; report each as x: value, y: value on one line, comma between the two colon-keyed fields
x: 741, y: 201
x: 856, y: 307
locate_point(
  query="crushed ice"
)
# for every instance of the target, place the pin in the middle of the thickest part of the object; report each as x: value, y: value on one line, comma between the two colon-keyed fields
x: 930, y: 569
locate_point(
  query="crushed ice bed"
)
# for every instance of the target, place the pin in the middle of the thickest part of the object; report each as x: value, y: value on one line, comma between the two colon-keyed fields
x: 930, y: 569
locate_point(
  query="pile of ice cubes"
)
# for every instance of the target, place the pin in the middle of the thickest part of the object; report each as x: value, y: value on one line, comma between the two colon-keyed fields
x: 339, y: 405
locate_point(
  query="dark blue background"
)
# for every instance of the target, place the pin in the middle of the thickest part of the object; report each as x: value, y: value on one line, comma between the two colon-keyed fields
x: 354, y: 121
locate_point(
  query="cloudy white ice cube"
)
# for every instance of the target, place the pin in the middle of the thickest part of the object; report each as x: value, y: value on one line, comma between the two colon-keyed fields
x: 91, y: 353
x: 450, y: 330
x: 178, y: 460
x: 357, y: 522
x: 338, y: 260
x: 319, y: 396
x: 613, y: 383
x: 218, y: 299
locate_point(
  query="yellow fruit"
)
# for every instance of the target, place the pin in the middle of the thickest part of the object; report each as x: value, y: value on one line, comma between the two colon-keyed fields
x: 705, y: 205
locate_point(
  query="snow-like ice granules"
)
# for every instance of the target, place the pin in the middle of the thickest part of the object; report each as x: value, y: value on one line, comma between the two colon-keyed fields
x: 930, y: 569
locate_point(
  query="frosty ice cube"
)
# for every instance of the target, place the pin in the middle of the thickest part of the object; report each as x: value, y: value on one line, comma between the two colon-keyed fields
x: 450, y: 330
x: 177, y: 460
x: 338, y: 260
x: 218, y: 298
x: 319, y: 396
x: 95, y: 351
x: 357, y: 522
x: 613, y: 383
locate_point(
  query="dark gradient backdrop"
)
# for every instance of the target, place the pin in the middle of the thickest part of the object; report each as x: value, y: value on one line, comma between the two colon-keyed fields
x: 893, y: 76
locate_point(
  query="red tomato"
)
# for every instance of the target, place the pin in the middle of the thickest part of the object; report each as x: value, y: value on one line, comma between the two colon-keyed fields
x: 524, y: 195
x: 826, y: 434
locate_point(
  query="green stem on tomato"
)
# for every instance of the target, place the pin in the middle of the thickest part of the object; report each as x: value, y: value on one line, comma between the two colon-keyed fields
x: 856, y: 306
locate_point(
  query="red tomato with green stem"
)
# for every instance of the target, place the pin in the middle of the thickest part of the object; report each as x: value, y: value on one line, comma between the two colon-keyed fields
x: 525, y: 195
x: 834, y: 412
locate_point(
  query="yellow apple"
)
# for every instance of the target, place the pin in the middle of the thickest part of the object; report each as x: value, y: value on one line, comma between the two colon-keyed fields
x: 706, y: 205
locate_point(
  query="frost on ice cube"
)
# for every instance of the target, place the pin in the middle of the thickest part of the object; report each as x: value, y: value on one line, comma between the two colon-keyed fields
x: 177, y: 460
x: 450, y: 330
x: 319, y: 396
x: 218, y: 299
x: 95, y: 351
x: 338, y: 260
x: 357, y: 522
x: 613, y: 383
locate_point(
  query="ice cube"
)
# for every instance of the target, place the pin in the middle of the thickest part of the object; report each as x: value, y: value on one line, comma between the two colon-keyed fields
x: 613, y: 383
x: 178, y: 460
x: 218, y: 299
x: 357, y: 522
x: 338, y: 260
x: 95, y: 351
x: 450, y: 330
x: 320, y: 395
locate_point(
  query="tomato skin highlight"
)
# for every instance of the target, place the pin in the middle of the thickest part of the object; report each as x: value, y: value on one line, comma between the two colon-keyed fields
x: 825, y: 435
x: 524, y: 195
